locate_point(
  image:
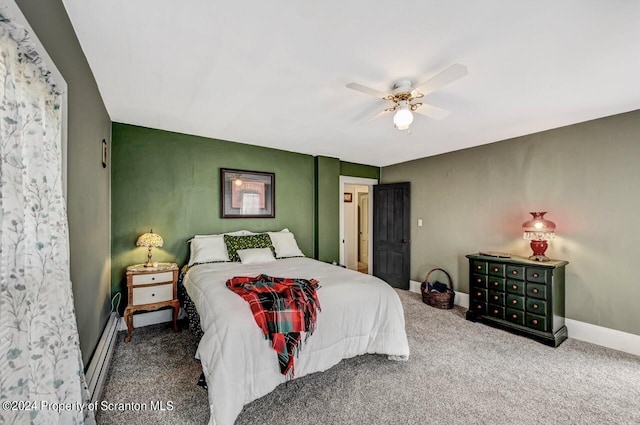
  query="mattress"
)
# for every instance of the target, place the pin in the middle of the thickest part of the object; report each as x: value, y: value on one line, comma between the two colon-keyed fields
x: 360, y: 314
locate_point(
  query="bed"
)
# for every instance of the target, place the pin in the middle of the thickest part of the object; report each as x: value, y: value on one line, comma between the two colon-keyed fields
x: 359, y: 314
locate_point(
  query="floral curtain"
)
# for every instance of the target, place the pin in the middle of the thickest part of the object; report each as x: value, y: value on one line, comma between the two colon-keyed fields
x: 41, y: 372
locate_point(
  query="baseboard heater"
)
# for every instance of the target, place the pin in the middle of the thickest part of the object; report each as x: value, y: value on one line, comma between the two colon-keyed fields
x: 99, y: 365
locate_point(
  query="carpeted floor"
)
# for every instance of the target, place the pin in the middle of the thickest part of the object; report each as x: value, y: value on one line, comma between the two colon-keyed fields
x: 459, y: 373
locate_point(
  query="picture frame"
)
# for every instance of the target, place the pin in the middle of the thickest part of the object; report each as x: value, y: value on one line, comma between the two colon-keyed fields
x: 348, y: 197
x: 247, y: 194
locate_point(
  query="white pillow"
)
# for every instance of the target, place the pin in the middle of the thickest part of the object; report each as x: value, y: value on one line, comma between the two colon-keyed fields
x: 285, y: 244
x: 205, y: 249
x: 256, y: 255
x: 236, y: 233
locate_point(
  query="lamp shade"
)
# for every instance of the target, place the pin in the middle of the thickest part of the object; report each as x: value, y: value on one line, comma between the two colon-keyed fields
x: 150, y: 240
x: 403, y: 117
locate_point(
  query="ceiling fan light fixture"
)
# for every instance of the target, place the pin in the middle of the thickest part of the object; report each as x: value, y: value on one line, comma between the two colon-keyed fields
x: 403, y: 117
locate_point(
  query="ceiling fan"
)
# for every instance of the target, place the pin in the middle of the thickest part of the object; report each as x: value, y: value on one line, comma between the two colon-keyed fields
x: 404, y: 94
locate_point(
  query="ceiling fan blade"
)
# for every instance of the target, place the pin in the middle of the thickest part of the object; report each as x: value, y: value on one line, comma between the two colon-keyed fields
x: 445, y: 77
x: 375, y: 116
x: 367, y: 90
x: 432, y: 111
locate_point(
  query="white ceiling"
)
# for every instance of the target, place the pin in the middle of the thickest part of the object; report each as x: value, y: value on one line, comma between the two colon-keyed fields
x: 273, y: 73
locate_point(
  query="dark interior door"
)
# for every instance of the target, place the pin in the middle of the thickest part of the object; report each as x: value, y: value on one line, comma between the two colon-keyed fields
x: 391, y: 231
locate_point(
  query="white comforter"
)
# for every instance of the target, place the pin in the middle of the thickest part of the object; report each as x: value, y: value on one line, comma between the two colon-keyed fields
x: 360, y: 314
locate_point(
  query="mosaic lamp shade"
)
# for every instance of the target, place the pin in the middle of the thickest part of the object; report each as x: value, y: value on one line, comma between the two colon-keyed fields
x: 150, y: 240
x: 539, y: 230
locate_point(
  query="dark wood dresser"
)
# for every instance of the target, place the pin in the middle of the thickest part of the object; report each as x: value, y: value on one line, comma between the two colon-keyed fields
x: 518, y: 295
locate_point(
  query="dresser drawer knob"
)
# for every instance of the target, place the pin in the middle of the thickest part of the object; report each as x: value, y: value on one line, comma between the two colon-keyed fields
x: 514, y: 302
x: 478, y: 294
x: 535, y: 306
x: 479, y: 267
x: 495, y: 283
x: 515, y: 286
x: 534, y: 321
x: 535, y: 275
x: 535, y: 291
x: 514, y: 316
x: 515, y: 272
x: 495, y: 311
x: 478, y: 307
x: 495, y: 269
x: 495, y: 297
x: 479, y: 280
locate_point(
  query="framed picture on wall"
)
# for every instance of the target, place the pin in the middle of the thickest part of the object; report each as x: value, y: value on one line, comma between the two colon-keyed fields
x: 247, y: 194
x: 348, y: 197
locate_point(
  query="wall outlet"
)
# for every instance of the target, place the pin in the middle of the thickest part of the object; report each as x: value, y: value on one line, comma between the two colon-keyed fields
x: 419, y: 222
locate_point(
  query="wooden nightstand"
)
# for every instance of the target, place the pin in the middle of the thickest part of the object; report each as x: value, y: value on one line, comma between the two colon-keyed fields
x: 149, y: 289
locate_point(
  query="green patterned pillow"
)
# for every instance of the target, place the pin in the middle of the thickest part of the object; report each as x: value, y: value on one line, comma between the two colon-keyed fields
x: 234, y: 243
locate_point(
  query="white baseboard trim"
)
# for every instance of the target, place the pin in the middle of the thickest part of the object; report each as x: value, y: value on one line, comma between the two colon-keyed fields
x: 461, y: 298
x: 606, y: 337
x: 151, y: 318
x: 99, y: 365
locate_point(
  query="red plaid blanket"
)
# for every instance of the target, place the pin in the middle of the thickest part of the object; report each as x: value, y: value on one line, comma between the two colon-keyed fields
x: 282, y: 308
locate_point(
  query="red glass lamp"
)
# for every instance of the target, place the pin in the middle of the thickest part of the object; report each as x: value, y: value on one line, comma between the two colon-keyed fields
x: 539, y: 230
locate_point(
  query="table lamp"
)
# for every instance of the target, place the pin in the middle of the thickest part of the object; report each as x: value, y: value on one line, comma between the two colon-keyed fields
x: 150, y: 240
x: 539, y: 230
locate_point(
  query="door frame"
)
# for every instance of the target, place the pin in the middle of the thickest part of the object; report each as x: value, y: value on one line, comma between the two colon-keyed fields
x: 361, y: 181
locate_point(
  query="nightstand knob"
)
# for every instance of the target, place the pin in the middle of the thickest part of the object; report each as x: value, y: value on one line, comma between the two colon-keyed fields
x: 153, y: 295
x: 153, y: 278
x: 514, y: 302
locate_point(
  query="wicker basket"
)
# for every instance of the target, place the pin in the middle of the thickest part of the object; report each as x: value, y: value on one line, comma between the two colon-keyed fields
x: 442, y: 300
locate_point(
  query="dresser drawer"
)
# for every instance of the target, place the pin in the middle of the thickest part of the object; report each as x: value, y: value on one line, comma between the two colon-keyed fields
x: 536, y: 322
x: 537, y: 306
x: 479, y: 281
x: 515, y: 272
x: 537, y: 291
x: 152, y: 294
x: 496, y: 283
x: 515, y: 286
x: 479, y: 266
x: 478, y: 307
x: 496, y: 311
x: 479, y: 294
x: 145, y: 279
x: 496, y: 297
x: 496, y: 269
x: 515, y: 316
x: 536, y: 275
x: 515, y: 301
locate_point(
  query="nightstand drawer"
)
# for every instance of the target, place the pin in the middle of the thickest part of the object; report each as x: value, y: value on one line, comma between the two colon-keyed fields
x: 145, y: 279
x: 152, y: 294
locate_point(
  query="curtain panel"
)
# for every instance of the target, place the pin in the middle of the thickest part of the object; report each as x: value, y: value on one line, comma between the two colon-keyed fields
x: 41, y: 371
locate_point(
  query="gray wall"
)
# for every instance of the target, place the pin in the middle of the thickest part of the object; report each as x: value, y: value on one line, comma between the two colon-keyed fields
x: 88, y: 183
x: 586, y: 176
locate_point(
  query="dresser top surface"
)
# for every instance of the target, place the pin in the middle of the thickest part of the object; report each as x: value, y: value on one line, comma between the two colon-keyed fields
x: 514, y: 259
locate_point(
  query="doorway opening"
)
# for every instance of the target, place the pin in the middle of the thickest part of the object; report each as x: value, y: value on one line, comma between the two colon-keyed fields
x: 356, y: 223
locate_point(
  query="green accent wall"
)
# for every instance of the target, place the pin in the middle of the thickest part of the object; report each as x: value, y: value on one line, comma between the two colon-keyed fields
x: 88, y: 186
x: 585, y: 175
x: 171, y: 182
x: 359, y: 170
x: 328, y: 208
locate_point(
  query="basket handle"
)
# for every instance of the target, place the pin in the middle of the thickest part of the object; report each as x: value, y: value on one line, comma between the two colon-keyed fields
x: 426, y: 279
